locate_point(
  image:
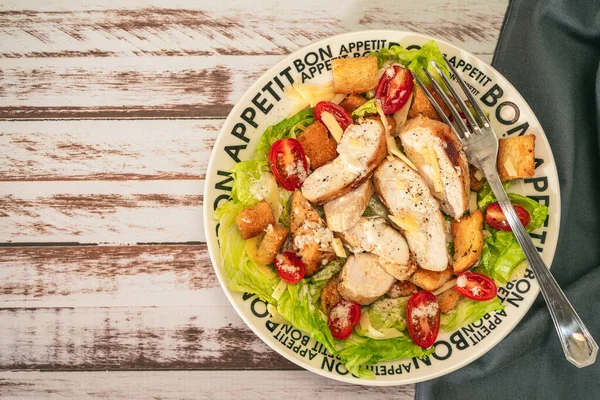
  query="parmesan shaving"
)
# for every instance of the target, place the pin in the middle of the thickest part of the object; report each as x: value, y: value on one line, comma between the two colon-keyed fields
x: 519, y: 272
x: 401, y: 115
x: 338, y: 247
x: 407, y: 223
x: 437, y: 176
x: 275, y: 316
x: 478, y: 175
x: 311, y: 94
x: 334, y: 127
x: 338, y: 98
x: 390, y: 157
x: 365, y: 325
x: 281, y: 287
x: 448, y: 285
x: 510, y: 168
x: 472, y: 202
x: 392, y: 147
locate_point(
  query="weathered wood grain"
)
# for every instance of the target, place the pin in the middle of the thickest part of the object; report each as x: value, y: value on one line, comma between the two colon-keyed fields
x: 243, y: 385
x: 101, y: 63
x: 106, y: 149
x: 116, y: 276
x: 120, y: 338
x: 118, y: 212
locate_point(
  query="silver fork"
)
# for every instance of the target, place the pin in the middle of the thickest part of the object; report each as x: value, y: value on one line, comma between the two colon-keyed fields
x: 481, y: 147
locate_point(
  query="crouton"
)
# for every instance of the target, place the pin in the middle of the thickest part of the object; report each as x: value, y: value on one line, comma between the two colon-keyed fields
x: 448, y: 300
x: 301, y: 210
x: 468, y: 241
x: 422, y: 105
x: 354, y: 75
x: 518, y: 151
x: 330, y: 295
x: 271, y: 244
x: 314, y: 258
x: 318, y: 144
x: 475, y: 184
x: 402, y: 289
x: 391, y: 121
x: 431, y: 280
x: 252, y: 221
x: 352, y: 102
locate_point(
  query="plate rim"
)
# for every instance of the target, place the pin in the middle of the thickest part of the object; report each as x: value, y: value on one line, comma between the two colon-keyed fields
x: 223, y: 279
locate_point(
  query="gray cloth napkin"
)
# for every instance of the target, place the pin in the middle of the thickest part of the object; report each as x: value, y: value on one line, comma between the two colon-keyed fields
x: 550, y: 51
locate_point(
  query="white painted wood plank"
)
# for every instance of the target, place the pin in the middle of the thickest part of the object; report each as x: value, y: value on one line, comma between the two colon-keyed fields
x: 106, y: 149
x: 108, y: 276
x: 123, y: 212
x: 211, y: 336
x: 263, y: 385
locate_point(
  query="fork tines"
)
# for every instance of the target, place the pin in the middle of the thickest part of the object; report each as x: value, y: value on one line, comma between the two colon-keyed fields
x: 475, y: 123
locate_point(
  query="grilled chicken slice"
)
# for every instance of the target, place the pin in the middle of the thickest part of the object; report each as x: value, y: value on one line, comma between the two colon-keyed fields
x: 345, y: 211
x: 416, y: 211
x: 363, y: 280
x: 361, y: 149
x: 375, y: 235
x: 437, y: 152
x: 311, y: 237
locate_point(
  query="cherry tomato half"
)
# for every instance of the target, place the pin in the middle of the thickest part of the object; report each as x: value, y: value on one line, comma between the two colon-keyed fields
x: 343, y: 317
x: 394, y: 90
x: 423, y: 318
x: 342, y: 116
x: 476, y: 286
x: 496, y: 218
x: 288, y: 163
x: 290, y: 267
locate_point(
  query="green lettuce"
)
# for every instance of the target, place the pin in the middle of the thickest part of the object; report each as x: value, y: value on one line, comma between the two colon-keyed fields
x: 415, y: 59
x: 375, y: 208
x: 388, y: 313
x: 243, y: 274
x: 245, y: 175
x: 501, y: 252
x: 289, y: 127
x: 468, y: 311
x: 367, y: 108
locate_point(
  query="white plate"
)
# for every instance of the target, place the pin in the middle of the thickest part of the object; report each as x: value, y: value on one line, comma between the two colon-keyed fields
x: 509, y: 114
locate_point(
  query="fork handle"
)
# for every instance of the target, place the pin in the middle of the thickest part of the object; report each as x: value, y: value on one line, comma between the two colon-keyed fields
x: 577, y: 342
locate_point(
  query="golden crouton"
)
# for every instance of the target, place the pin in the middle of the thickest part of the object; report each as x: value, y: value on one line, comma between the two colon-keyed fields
x: 271, y: 243
x: 302, y: 210
x: 252, y: 221
x: 352, y: 102
x: 518, y: 151
x: 354, y: 75
x: 475, y: 184
x: 318, y: 144
x: 313, y: 257
x: 431, y: 280
x: 401, y: 289
x: 448, y: 300
x: 391, y: 121
x: 468, y: 241
x: 330, y: 295
x: 422, y: 105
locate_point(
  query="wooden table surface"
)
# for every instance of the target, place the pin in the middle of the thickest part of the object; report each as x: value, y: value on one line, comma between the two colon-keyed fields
x: 109, y: 111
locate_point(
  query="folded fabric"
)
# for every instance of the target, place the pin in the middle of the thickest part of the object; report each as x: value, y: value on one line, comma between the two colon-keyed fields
x: 550, y: 51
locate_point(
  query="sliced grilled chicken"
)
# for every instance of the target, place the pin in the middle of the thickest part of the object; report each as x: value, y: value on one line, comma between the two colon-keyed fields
x: 375, y: 235
x: 361, y: 149
x: 437, y: 152
x: 345, y: 211
x: 415, y: 210
x: 311, y: 237
x: 363, y: 280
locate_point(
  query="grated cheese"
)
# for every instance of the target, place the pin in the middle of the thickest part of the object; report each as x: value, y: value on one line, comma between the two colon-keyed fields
x: 334, y: 127
x: 338, y: 247
x: 340, y: 314
x: 430, y: 310
x: 461, y: 282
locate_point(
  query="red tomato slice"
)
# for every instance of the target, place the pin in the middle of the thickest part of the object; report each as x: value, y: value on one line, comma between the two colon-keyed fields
x: 496, y: 219
x: 394, y: 90
x: 288, y: 163
x: 343, y: 317
x: 476, y: 286
x: 290, y: 267
x: 423, y: 318
x: 342, y: 116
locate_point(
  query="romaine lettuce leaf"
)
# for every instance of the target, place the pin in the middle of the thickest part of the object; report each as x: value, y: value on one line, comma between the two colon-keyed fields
x: 415, y: 59
x: 468, y: 311
x: 243, y: 274
x: 367, y: 108
x: 289, y: 127
x: 246, y: 175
